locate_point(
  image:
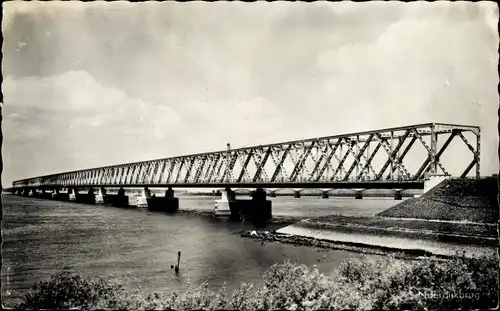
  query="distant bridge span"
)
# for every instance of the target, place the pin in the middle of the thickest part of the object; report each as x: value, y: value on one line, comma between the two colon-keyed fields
x: 371, y: 159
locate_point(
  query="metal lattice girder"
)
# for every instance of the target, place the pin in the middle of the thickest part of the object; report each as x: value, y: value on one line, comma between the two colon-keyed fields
x: 343, y: 159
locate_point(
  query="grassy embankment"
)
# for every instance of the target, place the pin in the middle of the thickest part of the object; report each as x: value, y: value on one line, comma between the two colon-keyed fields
x: 464, y: 210
x: 361, y: 284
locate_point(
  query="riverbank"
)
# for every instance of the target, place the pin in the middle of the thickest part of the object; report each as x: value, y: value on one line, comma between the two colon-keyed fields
x: 298, y: 240
x: 458, y: 214
x: 445, y: 231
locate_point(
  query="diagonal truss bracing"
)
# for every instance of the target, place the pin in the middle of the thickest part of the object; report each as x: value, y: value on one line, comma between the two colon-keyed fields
x: 379, y: 156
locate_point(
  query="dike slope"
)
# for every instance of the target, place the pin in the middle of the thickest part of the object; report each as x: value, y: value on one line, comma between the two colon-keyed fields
x: 468, y: 200
x: 456, y: 215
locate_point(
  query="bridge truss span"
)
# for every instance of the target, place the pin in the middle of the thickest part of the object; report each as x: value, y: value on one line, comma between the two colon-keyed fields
x: 403, y: 155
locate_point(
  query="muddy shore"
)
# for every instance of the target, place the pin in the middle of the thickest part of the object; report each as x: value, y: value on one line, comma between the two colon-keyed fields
x: 275, y: 237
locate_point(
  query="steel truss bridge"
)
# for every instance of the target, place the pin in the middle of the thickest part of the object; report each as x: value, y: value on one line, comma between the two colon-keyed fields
x: 372, y: 159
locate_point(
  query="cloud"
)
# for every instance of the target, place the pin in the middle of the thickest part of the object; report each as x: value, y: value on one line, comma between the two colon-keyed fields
x: 154, y: 80
x: 71, y: 121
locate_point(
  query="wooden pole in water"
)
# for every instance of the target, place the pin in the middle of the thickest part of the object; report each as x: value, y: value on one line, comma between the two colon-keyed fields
x: 178, y: 262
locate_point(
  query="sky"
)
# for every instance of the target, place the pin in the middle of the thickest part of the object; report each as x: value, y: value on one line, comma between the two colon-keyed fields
x: 92, y: 84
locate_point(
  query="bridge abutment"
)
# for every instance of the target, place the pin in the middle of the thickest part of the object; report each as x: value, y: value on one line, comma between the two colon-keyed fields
x: 432, y: 180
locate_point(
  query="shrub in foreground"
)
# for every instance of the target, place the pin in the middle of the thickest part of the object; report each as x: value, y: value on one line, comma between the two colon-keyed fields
x: 367, y: 283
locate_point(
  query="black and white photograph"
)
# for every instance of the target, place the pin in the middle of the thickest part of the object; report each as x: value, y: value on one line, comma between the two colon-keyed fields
x: 267, y: 155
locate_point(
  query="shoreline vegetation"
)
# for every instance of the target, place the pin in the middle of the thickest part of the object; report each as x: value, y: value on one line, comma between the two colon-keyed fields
x: 363, y: 284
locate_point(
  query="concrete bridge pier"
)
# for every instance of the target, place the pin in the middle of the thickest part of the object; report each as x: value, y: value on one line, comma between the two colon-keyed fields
x: 58, y: 194
x: 26, y: 192
x: 223, y: 205
x: 44, y: 194
x: 87, y: 198
x: 358, y: 195
x: 101, y: 195
x: 72, y: 193
x: 257, y: 210
x: 260, y: 209
x: 142, y: 200
x: 296, y: 194
x: 32, y: 193
x: 120, y: 199
x: 324, y: 194
x: 169, y: 203
x: 398, y: 195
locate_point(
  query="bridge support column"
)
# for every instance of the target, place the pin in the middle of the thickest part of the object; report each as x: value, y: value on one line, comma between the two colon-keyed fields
x: 257, y: 210
x: 45, y: 194
x: 72, y: 194
x: 223, y: 207
x: 324, y: 195
x: 26, y: 192
x: 260, y: 209
x: 296, y: 194
x: 358, y: 195
x: 32, y: 193
x: 142, y: 200
x: 87, y: 198
x: 169, y: 203
x: 119, y: 199
x: 55, y: 193
x: 60, y: 195
x: 101, y: 195
x: 398, y: 195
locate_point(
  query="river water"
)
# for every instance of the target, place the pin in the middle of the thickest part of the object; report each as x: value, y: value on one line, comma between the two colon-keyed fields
x: 138, y: 247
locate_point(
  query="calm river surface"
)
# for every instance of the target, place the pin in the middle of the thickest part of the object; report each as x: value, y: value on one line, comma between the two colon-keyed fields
x: 137, y: 247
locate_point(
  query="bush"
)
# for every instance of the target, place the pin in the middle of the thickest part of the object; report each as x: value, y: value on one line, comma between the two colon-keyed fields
x: 68, y: 289
x: 366, y: 283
